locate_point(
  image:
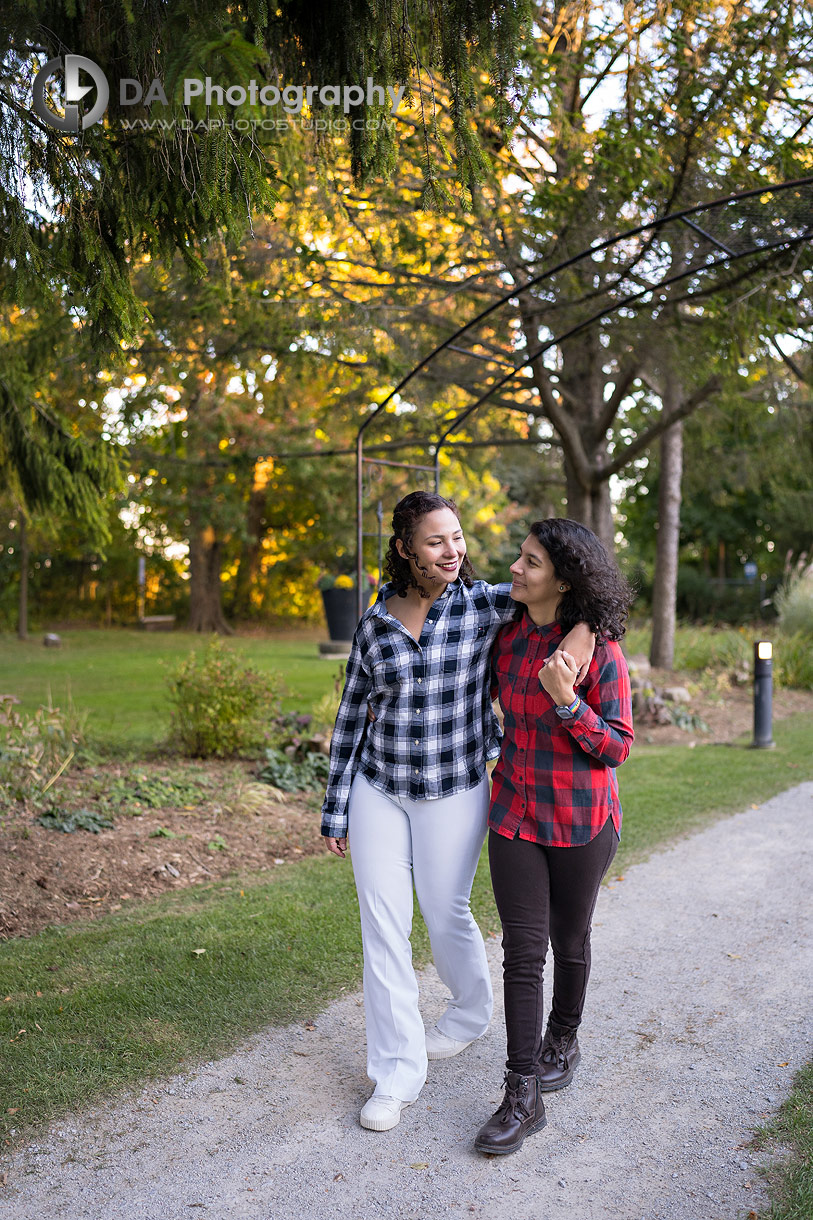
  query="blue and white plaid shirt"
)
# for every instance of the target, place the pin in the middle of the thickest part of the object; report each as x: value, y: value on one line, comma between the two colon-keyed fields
x: 434, y: 725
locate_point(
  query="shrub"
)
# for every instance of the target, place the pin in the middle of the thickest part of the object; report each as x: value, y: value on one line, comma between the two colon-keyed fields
x: 699, y: 648
x: 219, y: 707
x: 794, y: 602
x: 793, y: 660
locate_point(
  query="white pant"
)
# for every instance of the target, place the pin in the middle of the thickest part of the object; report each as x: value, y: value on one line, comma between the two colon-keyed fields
x: 436, y: 843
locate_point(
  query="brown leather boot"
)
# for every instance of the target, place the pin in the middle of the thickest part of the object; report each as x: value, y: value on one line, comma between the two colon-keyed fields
x: 560, y: 1057
x: 522, y: 1112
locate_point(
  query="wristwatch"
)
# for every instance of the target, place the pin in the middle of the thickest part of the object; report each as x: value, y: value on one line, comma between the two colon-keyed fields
x: 567, y: 711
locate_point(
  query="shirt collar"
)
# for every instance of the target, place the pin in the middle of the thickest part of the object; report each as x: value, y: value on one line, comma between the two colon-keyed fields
x: 529, y: 629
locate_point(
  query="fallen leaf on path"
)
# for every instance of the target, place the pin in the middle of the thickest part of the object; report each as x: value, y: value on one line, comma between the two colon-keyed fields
x: 733, y: 955
x: 197, y: 952
x: 419, y: 1165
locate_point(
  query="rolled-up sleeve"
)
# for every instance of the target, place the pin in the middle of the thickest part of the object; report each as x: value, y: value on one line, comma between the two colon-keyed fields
x: 348, y: 733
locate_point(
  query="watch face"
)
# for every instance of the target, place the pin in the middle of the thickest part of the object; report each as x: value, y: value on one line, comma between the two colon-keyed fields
x: 564, y: 713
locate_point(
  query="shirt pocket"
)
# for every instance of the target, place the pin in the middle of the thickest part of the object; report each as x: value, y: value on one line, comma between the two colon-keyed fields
x: 390, y: 678
x: 469, y: 636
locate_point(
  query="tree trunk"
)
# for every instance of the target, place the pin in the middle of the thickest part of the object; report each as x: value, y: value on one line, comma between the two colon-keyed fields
x: 664, y: 594
x: 22, y: 612
x: 578, y: 499
x: 205, y: 608
x: 582, y: 377
x: 602, y: 523
x: 592, y: 508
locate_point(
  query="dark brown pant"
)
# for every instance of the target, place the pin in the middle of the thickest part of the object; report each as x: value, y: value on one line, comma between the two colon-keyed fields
x: 545, y: 893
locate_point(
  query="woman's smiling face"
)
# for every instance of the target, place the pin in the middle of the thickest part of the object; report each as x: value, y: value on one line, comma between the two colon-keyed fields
x: 437, y: 549
x: 535, y: 582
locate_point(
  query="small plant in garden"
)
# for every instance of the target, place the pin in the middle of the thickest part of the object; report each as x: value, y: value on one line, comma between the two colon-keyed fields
x: 219, y: 706
x: 291, y: 775
x: 253, y: 797
x: 292, y: 764
x: 683, y: 718
x: 140, y: 790
x: 80, y: 819
x: 324, y: 712
x: 291, y: 732
x: 36, y: 748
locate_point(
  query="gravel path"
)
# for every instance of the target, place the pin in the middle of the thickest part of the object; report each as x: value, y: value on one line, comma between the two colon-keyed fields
x: 699, y: 1013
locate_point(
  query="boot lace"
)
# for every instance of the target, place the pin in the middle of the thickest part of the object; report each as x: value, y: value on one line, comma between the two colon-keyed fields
x: 555, y: 1051
x: 515, y: 1099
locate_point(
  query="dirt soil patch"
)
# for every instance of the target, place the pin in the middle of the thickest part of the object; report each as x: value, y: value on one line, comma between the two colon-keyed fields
x: 727, y: 711
x: 51, y: 877
x: 223, y: 822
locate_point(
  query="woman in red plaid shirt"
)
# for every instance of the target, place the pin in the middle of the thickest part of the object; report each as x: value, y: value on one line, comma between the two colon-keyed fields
x: 555, y: 816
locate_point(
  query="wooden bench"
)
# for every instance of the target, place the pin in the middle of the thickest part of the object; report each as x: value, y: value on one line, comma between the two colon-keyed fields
x: 157, y: 622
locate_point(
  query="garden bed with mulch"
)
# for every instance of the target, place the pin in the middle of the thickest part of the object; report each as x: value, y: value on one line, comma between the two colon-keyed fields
x: 176, y: 824
x: 224, y: 822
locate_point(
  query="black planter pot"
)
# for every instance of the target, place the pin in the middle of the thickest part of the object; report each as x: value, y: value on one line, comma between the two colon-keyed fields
x: 340, y: 612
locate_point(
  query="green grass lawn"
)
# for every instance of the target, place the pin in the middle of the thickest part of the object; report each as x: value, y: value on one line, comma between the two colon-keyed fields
x: 90, y: 1008
x: 791, y: 1180
x: 120, y: 676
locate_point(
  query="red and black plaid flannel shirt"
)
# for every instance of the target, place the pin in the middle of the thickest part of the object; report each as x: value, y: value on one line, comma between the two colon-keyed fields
x: 555, y: 779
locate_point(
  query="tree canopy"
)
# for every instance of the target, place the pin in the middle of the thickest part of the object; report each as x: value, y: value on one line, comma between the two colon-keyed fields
x: 78, y: 210
x: 229, y: 348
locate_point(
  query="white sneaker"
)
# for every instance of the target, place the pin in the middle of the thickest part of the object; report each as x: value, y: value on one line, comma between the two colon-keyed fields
x: 382, y: 1113
x: 441, y: 1046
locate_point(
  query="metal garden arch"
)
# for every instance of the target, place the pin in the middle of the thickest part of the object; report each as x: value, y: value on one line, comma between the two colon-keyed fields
x: 723, y: 236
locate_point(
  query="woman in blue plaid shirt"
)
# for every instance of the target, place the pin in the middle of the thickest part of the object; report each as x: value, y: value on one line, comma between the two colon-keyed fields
x: 408, y: 785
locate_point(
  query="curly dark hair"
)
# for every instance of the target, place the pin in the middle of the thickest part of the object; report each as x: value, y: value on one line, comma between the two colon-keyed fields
x: 598, y: 595
x: 406, y: 516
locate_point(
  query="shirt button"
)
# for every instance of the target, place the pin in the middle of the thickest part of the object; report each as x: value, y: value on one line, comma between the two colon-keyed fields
x: 417, y: 743
x: 417, y: 711
x: 420, y: 679
x: 417, y: 772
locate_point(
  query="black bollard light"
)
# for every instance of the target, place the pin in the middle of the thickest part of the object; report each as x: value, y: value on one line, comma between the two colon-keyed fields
x: 763, y: 694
